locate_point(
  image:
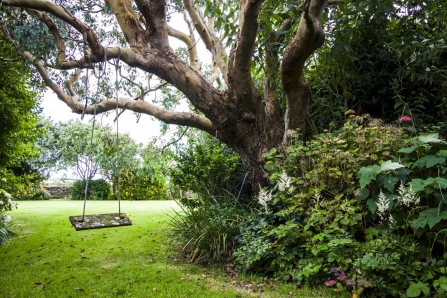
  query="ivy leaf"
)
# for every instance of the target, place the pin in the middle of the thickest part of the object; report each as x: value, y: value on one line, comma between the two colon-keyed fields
x: 367, y: 174
x: 415, y: 289
x: 389, y: 165
x: 430, y: 138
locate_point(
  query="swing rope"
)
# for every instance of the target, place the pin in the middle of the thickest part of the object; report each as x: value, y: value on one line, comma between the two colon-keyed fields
x: 101, y: 72
x: 112, y: 219
x: 117, y: 135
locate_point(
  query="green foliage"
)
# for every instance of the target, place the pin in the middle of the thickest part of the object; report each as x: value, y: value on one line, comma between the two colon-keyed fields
x: 97, y: 189
x: 18, y: 108
x: 32, y: 193
x: 146, y: 182
x: 366, y: 200
x: 385, y: 58
x: 67, y: 145
x: 209, y: 169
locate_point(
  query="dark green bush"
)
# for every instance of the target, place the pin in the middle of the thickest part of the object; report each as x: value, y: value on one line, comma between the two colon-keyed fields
x: 98, y: 189
x: 344, y: 211
x: 211, y: 170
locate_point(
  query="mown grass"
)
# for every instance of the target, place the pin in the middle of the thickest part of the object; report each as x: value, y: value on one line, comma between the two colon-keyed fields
x: 48, y: 258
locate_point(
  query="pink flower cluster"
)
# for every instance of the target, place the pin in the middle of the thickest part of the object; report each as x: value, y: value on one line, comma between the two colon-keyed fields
x: 341, y: 277
x: 350, y: 112
x: 405, y: 119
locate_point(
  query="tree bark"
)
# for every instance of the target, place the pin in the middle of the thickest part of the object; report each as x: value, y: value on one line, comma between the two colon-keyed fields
x: 247, y: 120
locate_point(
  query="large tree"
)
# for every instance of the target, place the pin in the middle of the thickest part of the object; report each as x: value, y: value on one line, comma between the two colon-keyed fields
x: 254, y: 96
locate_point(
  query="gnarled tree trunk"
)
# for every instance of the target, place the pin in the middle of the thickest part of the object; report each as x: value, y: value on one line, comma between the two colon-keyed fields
x: 247, y: 120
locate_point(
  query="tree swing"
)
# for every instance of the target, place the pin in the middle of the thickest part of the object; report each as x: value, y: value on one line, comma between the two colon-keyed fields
x: 108, y: 220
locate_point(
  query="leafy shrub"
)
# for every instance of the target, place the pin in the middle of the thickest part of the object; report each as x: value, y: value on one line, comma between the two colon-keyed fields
x: 98, y: 189
x: 211, y: 170
x: 135, y: 185
x: 207, y: 234
x: 344, y: 206
x: 33, y: 192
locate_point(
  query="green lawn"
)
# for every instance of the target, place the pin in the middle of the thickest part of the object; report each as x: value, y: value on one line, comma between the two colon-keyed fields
x: 48, y: 258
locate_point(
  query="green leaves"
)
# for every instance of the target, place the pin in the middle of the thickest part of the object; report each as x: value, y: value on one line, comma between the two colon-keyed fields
x: 389, y: 165
x: 430, y: 138
x: 367, y: 174
x: 415, y: 290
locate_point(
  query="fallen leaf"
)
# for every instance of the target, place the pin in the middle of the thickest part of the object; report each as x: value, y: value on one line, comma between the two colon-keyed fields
x: 144, y: 265
x: 154, y: 289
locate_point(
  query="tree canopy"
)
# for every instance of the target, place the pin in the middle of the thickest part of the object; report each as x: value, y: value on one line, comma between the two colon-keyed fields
x: 254, y: 94
x: 74, y: 145
x: 18, y: 110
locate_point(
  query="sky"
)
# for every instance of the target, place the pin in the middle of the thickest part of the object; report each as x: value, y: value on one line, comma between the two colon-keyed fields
x: 143, y: 132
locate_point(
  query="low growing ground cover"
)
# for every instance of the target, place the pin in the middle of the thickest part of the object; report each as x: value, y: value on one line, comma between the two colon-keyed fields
x: 48, y: 258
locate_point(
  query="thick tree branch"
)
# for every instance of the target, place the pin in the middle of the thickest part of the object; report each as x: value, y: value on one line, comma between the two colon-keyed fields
x: 154, y: 13
x: 128, y: 22
x: 240, y: 79
x: 309, y: 37
x: 64, y: 15
x: 168, y: 117
x: 271, y: 67
x: 190, y: 43
x: 60, y: 44
x: 211, y: 41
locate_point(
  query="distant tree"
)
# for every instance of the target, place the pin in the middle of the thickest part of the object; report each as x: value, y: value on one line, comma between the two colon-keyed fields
x: 68, y: 145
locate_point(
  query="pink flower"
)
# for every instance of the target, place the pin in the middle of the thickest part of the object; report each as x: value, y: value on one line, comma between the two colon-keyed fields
x: 405, y: 119
x: 342, y: 276
x: 329, y: 283
x: 350, y: 112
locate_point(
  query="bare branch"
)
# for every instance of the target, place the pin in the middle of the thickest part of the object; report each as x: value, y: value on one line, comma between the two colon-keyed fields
x: 69, y: 83
x: 57, y: 37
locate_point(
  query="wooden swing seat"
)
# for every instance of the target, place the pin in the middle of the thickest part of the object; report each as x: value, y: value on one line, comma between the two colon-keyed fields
x: 99, y: 221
